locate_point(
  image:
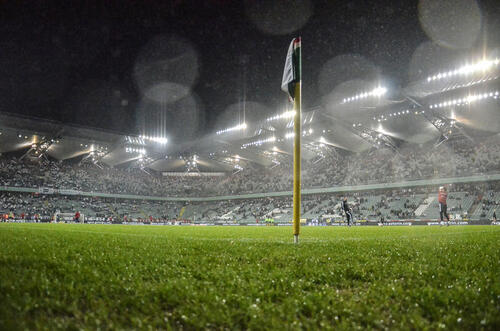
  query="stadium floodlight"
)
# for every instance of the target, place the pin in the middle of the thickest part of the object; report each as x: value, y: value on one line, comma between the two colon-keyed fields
x: 383, y: 118
x: 306, y: 132
x: 239, y: 127
x: 376, y: 92
x: 141, y: 151
x: 159, y: 140
x: 38, y: 147
x: 379, y: 91
x: 466, y: 100
x: 136, y: 140
x: 259, y: 142
x: 468, y: 69
x: 285, y: 115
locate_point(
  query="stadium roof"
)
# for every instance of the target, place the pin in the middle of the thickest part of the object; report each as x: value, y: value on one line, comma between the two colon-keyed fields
x: 354, y: 117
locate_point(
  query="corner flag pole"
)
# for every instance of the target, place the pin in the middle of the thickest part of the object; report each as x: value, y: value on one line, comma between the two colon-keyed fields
x: 291, y: 84
x: 297, y: 105
x: 296, y: 162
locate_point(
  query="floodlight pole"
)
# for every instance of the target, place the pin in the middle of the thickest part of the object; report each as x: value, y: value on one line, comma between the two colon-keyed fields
x: 296, y: 161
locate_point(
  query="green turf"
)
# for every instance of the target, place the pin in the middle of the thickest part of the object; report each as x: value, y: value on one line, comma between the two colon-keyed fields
x: 56, y: 276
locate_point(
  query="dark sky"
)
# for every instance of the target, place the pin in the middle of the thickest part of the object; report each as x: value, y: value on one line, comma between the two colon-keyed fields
x: 77, y: 61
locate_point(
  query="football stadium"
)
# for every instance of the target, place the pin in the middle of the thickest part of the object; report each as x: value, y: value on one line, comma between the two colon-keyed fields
x: 159, y: 174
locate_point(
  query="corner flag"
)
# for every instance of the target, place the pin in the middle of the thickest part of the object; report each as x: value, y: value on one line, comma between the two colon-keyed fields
x: 291, y: 84
x: 293, y: 68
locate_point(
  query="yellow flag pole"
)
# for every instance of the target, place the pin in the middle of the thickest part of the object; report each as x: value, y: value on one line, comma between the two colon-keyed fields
x: 296, y: 162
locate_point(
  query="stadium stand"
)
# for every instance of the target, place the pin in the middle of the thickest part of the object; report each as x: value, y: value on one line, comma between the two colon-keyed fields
x: 489, y: 203
x: 48, y: 206
x: 410, y: 162
x: 375, y: 166
x: 465, y: 201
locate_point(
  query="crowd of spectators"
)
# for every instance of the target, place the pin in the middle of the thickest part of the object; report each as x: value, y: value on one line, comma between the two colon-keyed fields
x: 390, y: 204
x: 31, y: 206
x: 376, y: 166
x: 42, y: 172
x: 336, y: 169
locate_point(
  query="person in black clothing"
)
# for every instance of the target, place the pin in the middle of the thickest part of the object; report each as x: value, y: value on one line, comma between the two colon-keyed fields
x: 347, y: 211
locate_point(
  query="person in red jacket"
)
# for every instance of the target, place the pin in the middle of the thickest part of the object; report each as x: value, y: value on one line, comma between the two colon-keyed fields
x: 443, y: 208
x: 77, y: 216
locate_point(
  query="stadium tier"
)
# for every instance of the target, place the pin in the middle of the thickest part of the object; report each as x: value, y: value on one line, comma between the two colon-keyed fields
x: 85, y: 186
x: 473, y: 201
x: 375, y: 166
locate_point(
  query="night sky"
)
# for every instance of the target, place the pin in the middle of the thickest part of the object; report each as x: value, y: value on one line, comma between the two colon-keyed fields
x: 89, y: 62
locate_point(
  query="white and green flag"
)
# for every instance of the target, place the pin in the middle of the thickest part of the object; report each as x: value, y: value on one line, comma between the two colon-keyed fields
x: 292, y: 72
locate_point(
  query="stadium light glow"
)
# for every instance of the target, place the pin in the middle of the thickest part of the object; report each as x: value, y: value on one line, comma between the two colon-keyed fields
x: 383, y: 118
x: 141, y: 151
x: 287, y: 114
x: 376, y: 92
x: 468, y: 69
x: 291, y: 134
x: 159, y: 140
x: 471, y: 83
x: 466, y: 100
x: 241, y: 126
x: 259, y: 142
x: 135, y: 140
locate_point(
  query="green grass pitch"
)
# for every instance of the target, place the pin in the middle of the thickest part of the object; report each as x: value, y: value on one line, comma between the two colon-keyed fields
x: 57, y: 276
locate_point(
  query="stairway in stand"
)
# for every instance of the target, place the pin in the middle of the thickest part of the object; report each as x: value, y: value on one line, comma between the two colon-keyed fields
x: 473, y: 208
x: 423, y: 207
